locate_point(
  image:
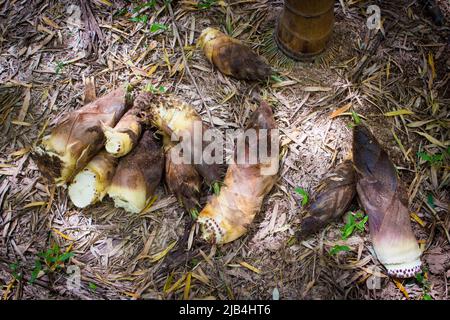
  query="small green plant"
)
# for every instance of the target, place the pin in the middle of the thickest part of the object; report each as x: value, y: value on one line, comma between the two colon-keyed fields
x: 92, y: 286
x: 143, y: 18
x: 36, y: 270
x: 291, y: 241
x: 194, y: 214
x: 194, y: 262
x: 151, y: 88
x: 148, y: 4
x: 216, y: 188
x: 304, y: 195
x: 337, y: 248
x: 433, y: 159
x: 276, y: 78
x: 59, y: 66
x: 48, y: 261
x: 422, y: 279
x: 354, y: 221
x: 427, y: 296
x: 15, y: 270
x: 356, y: 120
x: 206, y: 4
x: 158, y: 26
x: 430, y: 200
x: 120, y: 13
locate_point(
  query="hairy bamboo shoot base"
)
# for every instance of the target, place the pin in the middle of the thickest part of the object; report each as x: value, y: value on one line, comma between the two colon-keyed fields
x: 404, y: 270
x: 211, y: 230
x: 400, y: 261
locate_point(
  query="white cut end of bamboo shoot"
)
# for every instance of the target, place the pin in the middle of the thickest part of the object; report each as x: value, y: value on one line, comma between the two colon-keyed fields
x: 84, y: 190
x: 118, y: 144
x: 130, y: 200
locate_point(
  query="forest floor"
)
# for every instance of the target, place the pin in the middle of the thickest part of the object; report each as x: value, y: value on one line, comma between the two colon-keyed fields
x: 49, y: 47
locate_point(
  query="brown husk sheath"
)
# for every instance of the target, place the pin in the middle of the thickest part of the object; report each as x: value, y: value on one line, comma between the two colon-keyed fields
x: 228, y: 215
x: 333, y: 196
x: 383, y: 197
x: 78, y: 137
x: 137, y: 175
x: 175, y: 117
x: 184, y: 181
x: 232, y: 57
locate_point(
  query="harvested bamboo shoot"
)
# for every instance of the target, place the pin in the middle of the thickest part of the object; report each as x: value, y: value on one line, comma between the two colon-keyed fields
x: 184, y: 181
x: 124, y: 136
x: 334, y: 194
x: 385, y: 201
x: 228, y: 215
x: 137, y: 175
x: 90, y: 184
x: 176, y: 117
x: 78, y: 137
x: 232, y: 57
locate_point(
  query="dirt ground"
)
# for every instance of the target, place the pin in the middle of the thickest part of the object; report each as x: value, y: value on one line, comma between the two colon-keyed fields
x: 49, y: 47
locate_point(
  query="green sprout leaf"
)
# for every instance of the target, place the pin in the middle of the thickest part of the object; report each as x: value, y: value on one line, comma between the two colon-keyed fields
x: 337, y: 248
x: 424, y: 156
x: 356, y: 118
x: 354, y: 221
x: 434, y: 159
x: 140, y: 18
x: 194, y: 262
x: 347, y: 231
x: 15, y: 270
x: 430, y: 200
x: 427, y: 296
x: 206, y: 4
x: 148, y: 4
x: 14, y: 266
x: 276, y: 78
x: 92, y: 286
x: 216, y: 188
x: 292, y: 241
x: 59, y: 66
x: 64, y: 257
x: 420, y: 278
x: 158, y: 26
x: 304, y: 195
x: 359, y: 215
x: 36, y: 270
x: 49, y: 260
x: 120, y: 13
x: 194, y: 214
x: 151, y: 88
x: 361, y: 225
